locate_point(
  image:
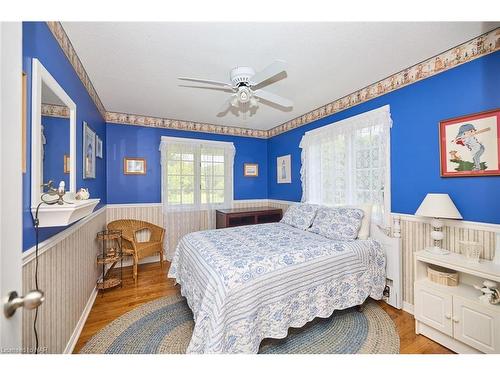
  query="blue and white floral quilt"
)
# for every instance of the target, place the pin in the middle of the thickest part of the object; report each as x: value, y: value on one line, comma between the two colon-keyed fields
x: 248, y: 283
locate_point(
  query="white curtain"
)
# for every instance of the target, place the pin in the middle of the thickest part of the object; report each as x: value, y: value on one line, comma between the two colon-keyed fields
x: 348, y: 163
x: 197, y: 179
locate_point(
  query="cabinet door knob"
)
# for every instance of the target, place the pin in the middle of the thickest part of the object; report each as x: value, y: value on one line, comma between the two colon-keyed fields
x: 447, y: 316
x: 455, y: 319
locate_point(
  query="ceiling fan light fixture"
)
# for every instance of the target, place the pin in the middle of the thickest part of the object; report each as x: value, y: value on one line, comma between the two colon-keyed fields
x: 244, y: 94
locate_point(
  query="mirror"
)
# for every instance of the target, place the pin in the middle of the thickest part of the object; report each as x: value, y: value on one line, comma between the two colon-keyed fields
x: 55, y: 152
x: 53, y: 134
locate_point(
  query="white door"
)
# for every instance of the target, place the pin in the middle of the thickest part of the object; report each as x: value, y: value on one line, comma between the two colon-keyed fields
x: 10, y: 180
x: 477, y: 325
x: 434, y: 308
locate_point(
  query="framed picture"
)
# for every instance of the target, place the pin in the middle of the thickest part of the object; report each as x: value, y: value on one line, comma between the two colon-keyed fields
x: 284, y: 169
x: 67, y: 164
x: 134, y: 166
x: 88, y: 151
x: 470, y: 145
x: 250, y: 170
x: 98, y: 145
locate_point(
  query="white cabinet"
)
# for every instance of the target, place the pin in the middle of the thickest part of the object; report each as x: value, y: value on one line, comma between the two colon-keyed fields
x: 475, y: 325
x: 454, y: 316
x: 434, y: 308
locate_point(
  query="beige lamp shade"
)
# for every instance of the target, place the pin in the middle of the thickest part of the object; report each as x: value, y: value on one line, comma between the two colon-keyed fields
x: 438, y: 205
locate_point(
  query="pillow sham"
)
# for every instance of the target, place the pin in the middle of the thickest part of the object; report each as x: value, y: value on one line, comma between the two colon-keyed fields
x: 338, y: 223
x: 364, y: 230
x: 300, y: 215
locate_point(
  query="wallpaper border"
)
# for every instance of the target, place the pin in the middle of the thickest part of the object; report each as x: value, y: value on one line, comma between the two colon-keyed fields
x: 53, y: 110
x: 480, y: 46
x: 477, y: 47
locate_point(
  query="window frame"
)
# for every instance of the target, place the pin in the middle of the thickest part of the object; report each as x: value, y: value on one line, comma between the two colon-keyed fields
x: 197, y: 146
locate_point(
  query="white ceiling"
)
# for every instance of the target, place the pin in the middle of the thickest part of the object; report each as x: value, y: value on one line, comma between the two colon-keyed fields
x: 49, y: 97
x: 134, y: 66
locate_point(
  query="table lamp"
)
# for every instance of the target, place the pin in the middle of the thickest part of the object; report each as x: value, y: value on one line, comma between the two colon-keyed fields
x: 438, y: 206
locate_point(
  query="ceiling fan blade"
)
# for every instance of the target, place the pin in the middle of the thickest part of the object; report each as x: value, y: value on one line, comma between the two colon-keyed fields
x: 223, y: 89
x: 273, y: 98
x: 270, y: 71
x: 208, y: 81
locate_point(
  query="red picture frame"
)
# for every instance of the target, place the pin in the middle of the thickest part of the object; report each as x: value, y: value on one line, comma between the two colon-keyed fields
x: 469, y: 146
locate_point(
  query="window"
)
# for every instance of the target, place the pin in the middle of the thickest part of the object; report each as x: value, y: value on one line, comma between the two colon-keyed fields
x: 347, y: 163
x: 196, y: 173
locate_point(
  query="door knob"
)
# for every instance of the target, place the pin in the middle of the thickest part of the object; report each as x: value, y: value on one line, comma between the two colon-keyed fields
x: 455, y: 319
x: 447, y: 316
x: 30, y: 301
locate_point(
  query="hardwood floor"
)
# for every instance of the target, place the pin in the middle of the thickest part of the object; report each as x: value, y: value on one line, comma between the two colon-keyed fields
x: 153, y: 283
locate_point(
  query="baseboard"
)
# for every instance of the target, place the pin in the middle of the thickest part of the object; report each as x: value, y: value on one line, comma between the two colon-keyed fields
x: 70, y: 346
x: 408, y: 307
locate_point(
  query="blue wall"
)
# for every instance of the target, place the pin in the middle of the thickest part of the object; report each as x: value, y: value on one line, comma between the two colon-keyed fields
x: 143, y: 142
x: 56, y: 131
x: 416, y: 111
x: 38, y: 42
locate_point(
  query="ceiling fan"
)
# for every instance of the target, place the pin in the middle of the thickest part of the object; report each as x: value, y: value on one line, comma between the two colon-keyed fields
x: 242, y: 86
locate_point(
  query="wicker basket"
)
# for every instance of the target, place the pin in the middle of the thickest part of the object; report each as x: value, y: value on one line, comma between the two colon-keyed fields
x: 441, y: 275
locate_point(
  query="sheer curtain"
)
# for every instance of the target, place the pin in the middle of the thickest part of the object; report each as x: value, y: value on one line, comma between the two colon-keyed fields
x: 196, y: 179
x: 348, y: 163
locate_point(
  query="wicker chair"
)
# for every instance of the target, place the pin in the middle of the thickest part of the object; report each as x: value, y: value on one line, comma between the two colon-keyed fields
x: 132, y: 246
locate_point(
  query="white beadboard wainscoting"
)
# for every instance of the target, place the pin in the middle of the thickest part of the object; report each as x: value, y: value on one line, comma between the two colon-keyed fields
x: 68, y: 270
x: 67, y: 274
x: 415, y: 232
x: 176, y: 224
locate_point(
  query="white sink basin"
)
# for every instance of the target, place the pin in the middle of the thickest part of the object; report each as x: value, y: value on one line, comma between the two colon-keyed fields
x: 61, y: 215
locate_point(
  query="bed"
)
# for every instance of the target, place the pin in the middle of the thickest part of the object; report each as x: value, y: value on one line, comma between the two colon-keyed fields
x: 248, y: 283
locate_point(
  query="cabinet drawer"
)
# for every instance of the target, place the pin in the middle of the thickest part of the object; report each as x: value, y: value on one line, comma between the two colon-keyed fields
x: 476, y: 325
x: 434, y: 308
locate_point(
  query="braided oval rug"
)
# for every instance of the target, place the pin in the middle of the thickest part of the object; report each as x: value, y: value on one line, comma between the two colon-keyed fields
x: 165, y: 326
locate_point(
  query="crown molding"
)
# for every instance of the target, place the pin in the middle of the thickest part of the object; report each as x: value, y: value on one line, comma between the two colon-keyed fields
x: 463, y: 53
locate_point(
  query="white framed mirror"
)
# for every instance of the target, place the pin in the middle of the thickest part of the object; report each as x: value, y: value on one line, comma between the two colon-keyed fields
x: 53, y: 134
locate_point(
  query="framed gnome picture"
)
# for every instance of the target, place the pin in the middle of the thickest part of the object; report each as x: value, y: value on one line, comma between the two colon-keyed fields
x: 470, y: 145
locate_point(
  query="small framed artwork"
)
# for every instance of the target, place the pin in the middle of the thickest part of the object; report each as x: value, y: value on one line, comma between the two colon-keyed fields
x: 284, y: 169
x: 250, y: 170
x: 98, y: 146
x: 470, y: 145
x: 88, y: 151
x: 67, y: 164
x: 134, y: 166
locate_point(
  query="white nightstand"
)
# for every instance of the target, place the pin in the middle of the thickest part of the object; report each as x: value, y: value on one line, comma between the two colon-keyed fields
x: 454, y: 316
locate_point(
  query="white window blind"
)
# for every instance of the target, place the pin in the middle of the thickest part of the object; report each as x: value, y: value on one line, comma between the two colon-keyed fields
x: 348, y: 163
x: 196, y: 174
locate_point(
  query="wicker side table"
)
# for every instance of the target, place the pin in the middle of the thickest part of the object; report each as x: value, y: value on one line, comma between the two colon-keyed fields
x: 111, y: 253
